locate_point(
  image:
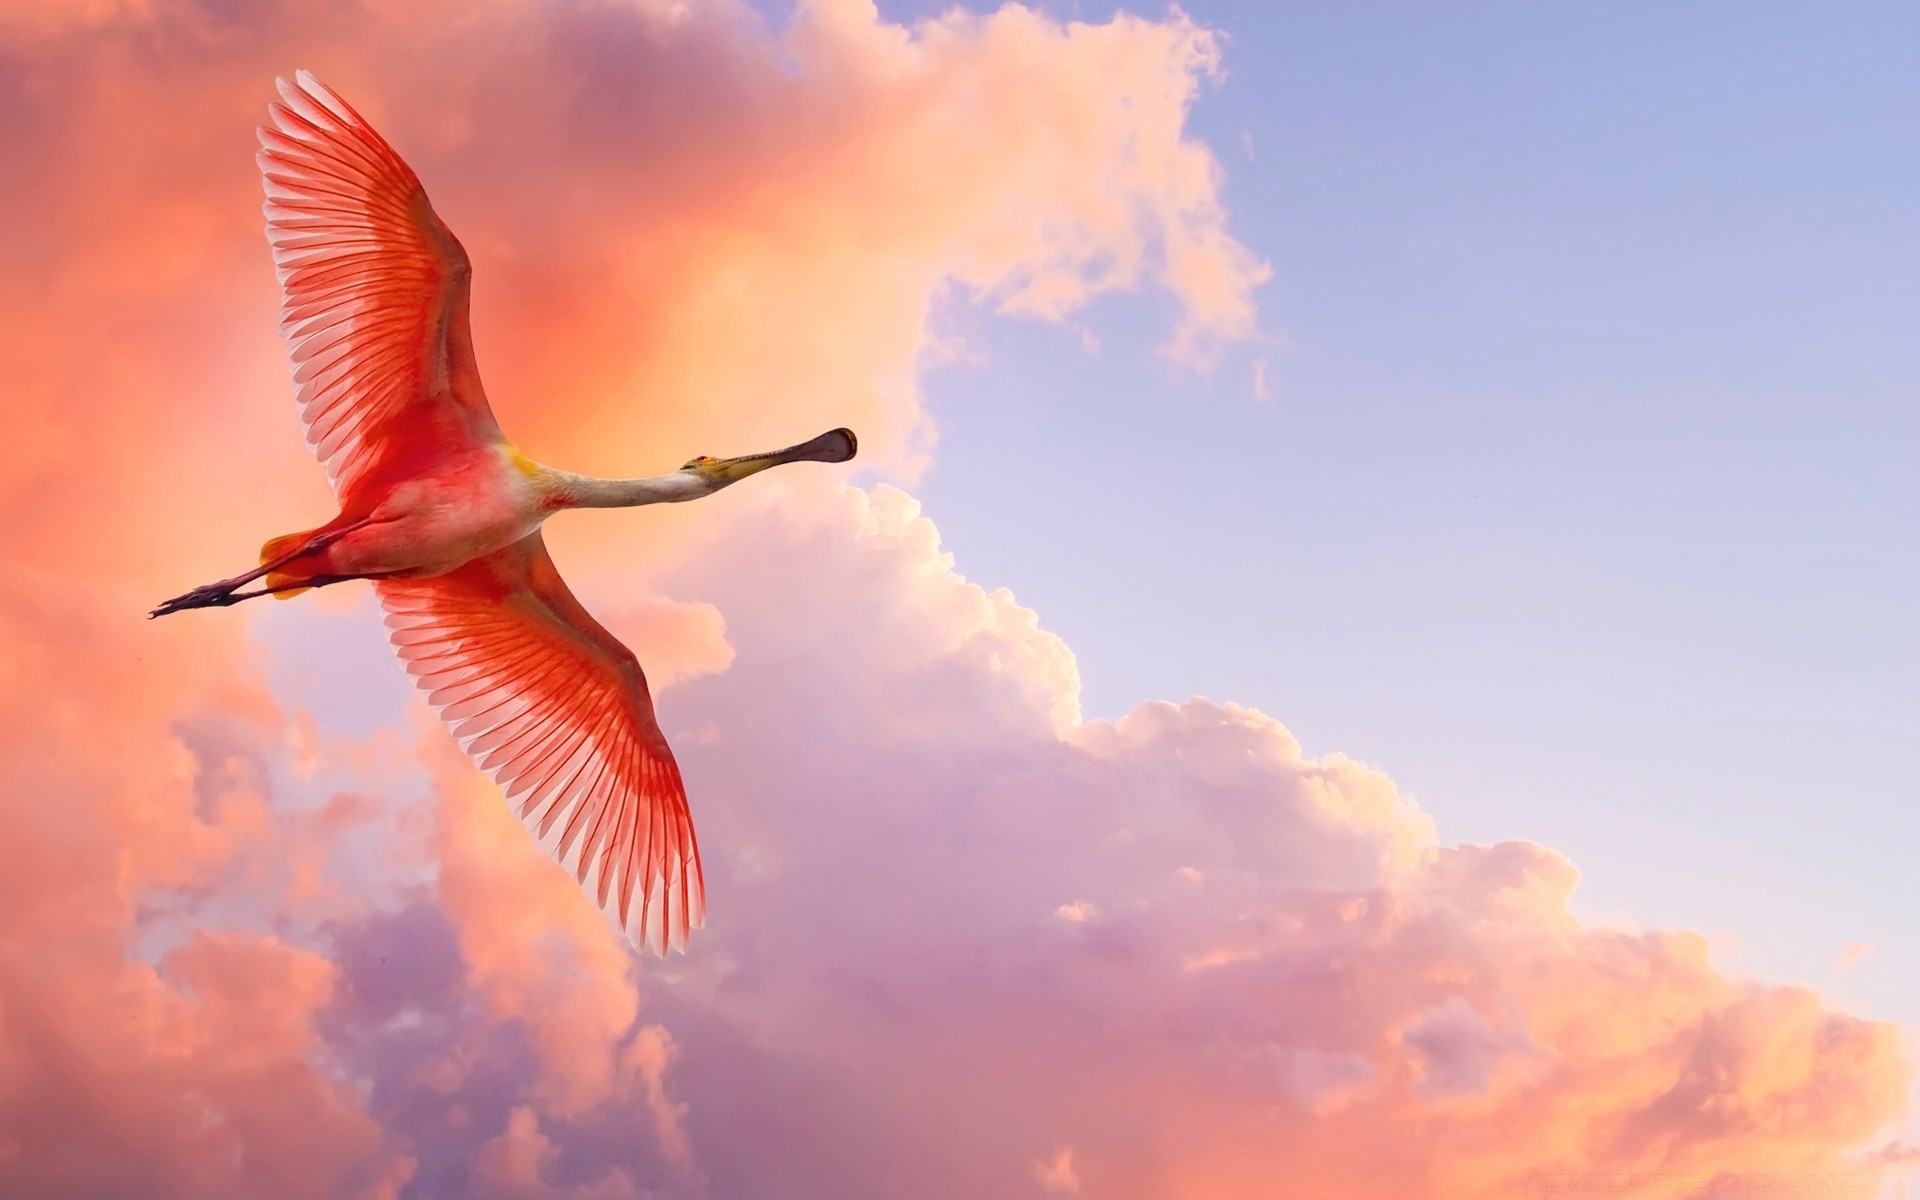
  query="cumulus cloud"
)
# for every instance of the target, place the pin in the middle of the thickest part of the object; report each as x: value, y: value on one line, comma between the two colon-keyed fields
x: 260, y: 938
x: 691, y: 232
x: 1275, y: 978
x: 140, y: 1055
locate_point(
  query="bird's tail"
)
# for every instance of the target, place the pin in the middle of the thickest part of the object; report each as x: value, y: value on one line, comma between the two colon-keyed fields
x: 292, y: 572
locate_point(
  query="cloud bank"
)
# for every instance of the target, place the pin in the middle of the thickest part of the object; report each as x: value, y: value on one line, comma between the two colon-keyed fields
x: 961, y: 942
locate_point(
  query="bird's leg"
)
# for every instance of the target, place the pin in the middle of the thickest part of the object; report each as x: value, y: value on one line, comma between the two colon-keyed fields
x: 223, y: 599
x: 227, y: 591
x: 210, y: 595
x: 311, y: 581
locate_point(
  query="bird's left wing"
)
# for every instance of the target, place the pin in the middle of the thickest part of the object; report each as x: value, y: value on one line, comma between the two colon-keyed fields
x: 556, y: 710
x: 374, y: 289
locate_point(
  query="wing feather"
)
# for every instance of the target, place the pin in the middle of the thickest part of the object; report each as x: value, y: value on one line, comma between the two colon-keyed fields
x: 374, y: 291
x: 557, y: 712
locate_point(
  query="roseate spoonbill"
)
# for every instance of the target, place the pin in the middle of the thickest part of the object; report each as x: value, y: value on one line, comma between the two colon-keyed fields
x: 443, y: 514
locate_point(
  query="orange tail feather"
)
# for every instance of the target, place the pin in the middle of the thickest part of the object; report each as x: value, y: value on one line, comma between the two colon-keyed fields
x: 292, y: 572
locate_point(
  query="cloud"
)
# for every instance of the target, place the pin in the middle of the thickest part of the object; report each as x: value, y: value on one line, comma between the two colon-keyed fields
x: 767, y: 221
x: 139, y: 1054
x: 264, y: 937
x: 1279, y: 978
x: 514, y: 1164
x: 1852, y: 954
x: 1058, y: 1175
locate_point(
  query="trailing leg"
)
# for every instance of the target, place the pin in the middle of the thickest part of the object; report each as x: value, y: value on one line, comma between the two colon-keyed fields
x: 277, y: 554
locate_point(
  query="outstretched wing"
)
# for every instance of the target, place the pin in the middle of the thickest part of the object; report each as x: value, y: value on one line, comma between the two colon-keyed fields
x: 556, y: 710
x: 374, y: 291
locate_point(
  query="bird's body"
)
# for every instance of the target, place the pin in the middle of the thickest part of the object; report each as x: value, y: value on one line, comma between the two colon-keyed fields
x: 457, y: 508
x: 443, y: 513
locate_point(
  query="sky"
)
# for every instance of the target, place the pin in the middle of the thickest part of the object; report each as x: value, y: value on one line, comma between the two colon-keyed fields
x: 1581, y: 496
x: 1361, y: 656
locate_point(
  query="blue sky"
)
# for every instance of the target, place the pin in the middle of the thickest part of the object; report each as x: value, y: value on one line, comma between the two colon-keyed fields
x: 1583, y: 501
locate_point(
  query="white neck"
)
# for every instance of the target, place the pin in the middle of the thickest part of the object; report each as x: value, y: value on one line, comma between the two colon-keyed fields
x: 585, y: 491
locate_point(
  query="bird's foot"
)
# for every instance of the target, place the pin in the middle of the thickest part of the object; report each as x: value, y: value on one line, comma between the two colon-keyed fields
x: 207, y: 595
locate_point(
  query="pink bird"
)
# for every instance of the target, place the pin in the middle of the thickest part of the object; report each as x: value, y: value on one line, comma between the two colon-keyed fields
x: 443, y: 514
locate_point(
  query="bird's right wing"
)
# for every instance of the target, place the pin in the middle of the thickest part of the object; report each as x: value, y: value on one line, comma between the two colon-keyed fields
x: 374, y: 290
x: 556, y: 710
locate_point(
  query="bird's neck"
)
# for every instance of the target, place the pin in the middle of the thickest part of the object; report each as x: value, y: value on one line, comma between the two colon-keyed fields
x: 586, y: 491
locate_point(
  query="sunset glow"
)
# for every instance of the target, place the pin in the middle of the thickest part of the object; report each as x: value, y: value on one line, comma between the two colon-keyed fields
x: 264, y: 931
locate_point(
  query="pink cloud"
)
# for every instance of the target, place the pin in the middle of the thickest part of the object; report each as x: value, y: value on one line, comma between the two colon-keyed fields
x: 1057, y: 1174
x: 1282, y: 980
x: 126, y: 1068
x: 514, y: 1166
x: 1852, y: 954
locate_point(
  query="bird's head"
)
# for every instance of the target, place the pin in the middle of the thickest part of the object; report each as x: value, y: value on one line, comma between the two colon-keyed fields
x: 836, y: 445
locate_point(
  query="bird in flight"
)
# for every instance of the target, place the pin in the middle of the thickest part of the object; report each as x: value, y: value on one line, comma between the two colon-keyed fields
x: 443, y: 514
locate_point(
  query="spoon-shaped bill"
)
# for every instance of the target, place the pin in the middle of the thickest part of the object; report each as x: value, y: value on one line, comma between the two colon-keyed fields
x: 833, y: 446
